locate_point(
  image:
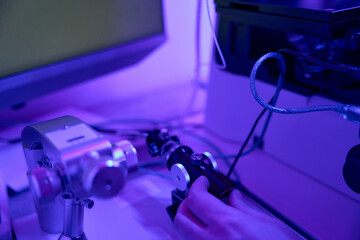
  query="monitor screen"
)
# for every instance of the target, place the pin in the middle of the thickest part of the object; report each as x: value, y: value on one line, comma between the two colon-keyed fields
x: 48, y: 45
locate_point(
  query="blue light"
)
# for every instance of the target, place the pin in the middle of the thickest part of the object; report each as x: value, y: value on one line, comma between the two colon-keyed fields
x: 110, y: 163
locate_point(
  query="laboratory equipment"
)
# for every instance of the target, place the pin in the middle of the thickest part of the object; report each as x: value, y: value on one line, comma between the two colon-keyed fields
x: 186, y: 166
x: 69, y: 162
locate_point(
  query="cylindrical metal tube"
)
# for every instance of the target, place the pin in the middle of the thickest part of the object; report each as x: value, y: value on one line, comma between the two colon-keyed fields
x: 73, y: 217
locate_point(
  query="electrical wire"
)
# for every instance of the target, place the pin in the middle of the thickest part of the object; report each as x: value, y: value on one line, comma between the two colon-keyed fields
x: 281, y: 65
x: 240, y: 153
x: 211, y: 145
x: 151, y: 164
x: 215, y: 38
x: 14, y: 123
x: 197, y: 41
x: 131, y: 121
x: 314, y: 60
x: 10, y: 141
x: 155, y: 173
x: 351, y: 71
x: 140, y: 132
x: 124, y: 133
x: 281, y: 60
x: 276, y: 213
x: 198, y: 84
x: 272, y: 102
x: 170, y: 126
x: 350, y: 112
x: 347, y: 111
x: 255, y: 145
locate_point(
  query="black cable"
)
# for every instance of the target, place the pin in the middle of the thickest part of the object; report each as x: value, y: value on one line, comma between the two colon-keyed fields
x: 271, y: 102
x: 246, y: 142
x: 10, y: 141
x: 314, y: 60
x: 299, y: 54
x: 99, y: 129
x: 276, y: 213
x: 273, y: 211
x: 351, y: 71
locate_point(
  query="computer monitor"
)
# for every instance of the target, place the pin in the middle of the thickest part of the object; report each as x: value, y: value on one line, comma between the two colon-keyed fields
x: 49, y: 45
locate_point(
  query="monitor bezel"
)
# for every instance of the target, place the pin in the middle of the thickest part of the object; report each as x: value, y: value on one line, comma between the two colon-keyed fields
x: 49, y: 78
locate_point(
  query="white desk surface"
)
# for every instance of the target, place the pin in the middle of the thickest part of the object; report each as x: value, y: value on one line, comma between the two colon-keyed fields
x: 138, y: 212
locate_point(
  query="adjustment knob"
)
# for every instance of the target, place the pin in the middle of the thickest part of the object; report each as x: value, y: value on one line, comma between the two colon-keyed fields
x: 210, y: 161
x: 44, y: 183
x: 103, y: 176
x: 180, y: 176
x: 125, y: 151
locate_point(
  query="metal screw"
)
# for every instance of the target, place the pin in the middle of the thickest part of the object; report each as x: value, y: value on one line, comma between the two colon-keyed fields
x: 153, y: 149
x: 88, y: 203
x: 164, y: 135
x: 196, y: 159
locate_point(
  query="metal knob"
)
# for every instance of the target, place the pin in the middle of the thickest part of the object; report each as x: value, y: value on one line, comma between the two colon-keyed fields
x: 180, y: 176
x: 45, y: 184
x: 103, y: 176
x: 211, y: 161
x: 125, y: 151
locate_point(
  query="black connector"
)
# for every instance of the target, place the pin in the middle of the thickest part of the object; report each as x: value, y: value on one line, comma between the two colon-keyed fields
x: 353, y: 72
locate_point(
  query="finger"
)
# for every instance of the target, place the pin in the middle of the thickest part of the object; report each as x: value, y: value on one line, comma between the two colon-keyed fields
x: 201, y: 184
x: 244, y: 204
x: 236, y: 200
x: 184, y: 210
x: 187, y: 224
x: 202, y: 204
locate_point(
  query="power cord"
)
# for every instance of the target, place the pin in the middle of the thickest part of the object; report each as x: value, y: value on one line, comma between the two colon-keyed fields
x: 349, y: 70
x: 240, y: 153
x: 347, y: 111
x: 312, y: 59
x: 281, y: 65
x: 10, y: 141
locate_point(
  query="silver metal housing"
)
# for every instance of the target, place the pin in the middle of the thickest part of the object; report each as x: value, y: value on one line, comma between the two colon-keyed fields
x: 66, y: 155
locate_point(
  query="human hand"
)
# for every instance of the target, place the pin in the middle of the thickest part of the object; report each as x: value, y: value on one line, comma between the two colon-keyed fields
x: 203, y: 216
